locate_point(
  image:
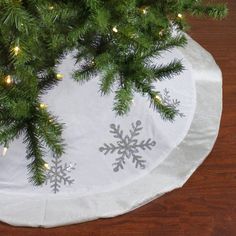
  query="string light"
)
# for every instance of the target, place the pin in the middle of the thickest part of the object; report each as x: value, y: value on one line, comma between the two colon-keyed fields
x: 158, y: 98
x: 180, y: 16
x: 8, y: 80
x: 46, y: 165
x: 43, y: 106
x: 59, y: 76
x: 16, y: 50
x: 114, y: 29
x: 144, y: 10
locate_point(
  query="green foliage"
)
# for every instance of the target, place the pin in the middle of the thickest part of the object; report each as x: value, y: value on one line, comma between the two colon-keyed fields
x: 115, y: 39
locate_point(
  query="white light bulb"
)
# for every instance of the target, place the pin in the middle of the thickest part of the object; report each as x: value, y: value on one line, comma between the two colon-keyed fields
x: 114, y: 29
x: 43, y: 106
x: 16, y: 50
x: 158, y: 98
x: 8, y: 79
x: 59, y: 76
x: 180, y: 15
x: 46, y: 165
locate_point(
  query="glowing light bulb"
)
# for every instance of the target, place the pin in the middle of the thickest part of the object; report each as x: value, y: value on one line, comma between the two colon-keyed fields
x: 180, y: 15
x: 16, y: 50
x: 8, y: 79
x: 46, y: 165
x: 157, y: 97
x: 51, y: 7
x: 43, y: 106
x: 114, y: 29
x: 144, y: 10
x: 59, y: 76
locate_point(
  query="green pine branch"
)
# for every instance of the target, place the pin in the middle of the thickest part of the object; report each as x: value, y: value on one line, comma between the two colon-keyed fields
x: 35, y: 154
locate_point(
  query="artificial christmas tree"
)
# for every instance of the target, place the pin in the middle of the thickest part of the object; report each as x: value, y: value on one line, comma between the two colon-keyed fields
x: 116, y: 39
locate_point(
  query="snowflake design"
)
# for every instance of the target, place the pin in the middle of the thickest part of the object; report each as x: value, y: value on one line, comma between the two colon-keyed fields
x: 57, y: 174
x: 127, y: 147
x: 172, y: 103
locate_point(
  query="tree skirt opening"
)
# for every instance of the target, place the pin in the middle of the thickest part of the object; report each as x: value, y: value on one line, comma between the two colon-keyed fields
x: 115, y: 164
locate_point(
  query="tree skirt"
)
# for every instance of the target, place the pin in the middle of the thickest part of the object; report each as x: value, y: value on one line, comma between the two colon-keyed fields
x: 115, y: 164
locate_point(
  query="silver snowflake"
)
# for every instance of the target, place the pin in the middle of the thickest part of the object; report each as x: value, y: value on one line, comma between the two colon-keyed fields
x: 57, y: 174
x: 127, y: 147
x: 172, y: 103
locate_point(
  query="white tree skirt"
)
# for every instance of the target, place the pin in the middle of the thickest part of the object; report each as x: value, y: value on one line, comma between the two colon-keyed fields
x: 115, y: 164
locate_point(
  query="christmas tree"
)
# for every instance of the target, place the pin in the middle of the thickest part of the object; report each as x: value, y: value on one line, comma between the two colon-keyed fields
x: 115, y: 39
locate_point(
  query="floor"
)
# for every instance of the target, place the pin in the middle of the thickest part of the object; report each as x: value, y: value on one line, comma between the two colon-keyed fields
x: 206, y: 205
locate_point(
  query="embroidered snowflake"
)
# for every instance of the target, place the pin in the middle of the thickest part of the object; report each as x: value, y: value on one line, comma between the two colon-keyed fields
x: 57, y: 174
x: 127, y: 147
x: 173, y: 103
